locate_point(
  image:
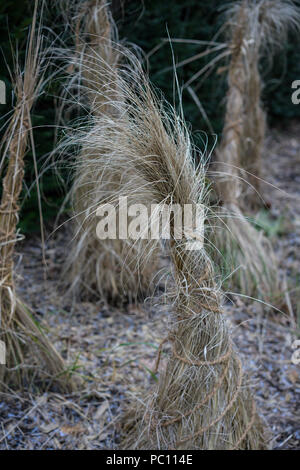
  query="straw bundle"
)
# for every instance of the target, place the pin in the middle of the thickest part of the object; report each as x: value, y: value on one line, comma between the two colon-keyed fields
x: 18, y: 328
x: 202, y: 400
x: 254, y: 27
x: 244, y: 127
x: 113, y: 269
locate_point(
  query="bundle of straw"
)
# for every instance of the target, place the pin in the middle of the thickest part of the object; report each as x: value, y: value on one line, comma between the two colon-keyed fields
x: 18, y: 327
x: 255, y: 27
x: 109, y: 268
x: 202, y: 400
x: 244, y: 128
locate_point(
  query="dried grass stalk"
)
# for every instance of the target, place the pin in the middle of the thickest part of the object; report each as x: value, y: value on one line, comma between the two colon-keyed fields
x: 102, y: 267
x: 247, y: 258
x: 254, y: 27
x: 202, y: 400
x: 244, y: 126
x: 18, y: 328
x: 95, y: 36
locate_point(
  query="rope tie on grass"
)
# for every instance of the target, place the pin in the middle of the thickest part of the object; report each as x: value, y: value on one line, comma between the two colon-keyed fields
x: 234, y: 126
x: 5, y: 235
x: 5, y: 276
x: 177, y: 419
x: 8, y: 204
x: 211, y: 308
x: 218, y: 418
x: 202, y: 402
x: 220, y: 359
x: 9, y: 208
x: 159, y: 351
x: 226, y: 357
x: 247, y: 429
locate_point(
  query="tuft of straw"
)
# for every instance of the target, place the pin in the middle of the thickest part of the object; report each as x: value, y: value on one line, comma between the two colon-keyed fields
x: 255, y: 27
x: 19, y: 331
x: 246, y: 257
x: 108, y: 268
x: 202, y: 400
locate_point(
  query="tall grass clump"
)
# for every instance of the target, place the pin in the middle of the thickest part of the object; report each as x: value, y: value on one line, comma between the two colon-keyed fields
x: 202, y: 400
x: 111, y: 269
x: 256, y: 29
x: 29, y: 352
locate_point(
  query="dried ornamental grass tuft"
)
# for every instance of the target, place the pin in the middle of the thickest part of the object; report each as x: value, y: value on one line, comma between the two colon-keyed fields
x: 255, y: 28
x: 19, y: 331
x: 202, y: 400
x: 105, y: 268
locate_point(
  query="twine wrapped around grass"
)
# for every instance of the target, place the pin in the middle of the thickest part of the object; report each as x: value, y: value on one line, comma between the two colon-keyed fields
x: 19, y: 330
x: 255, y: 27
x: 108, y: 268
x: 244, y: 127
x: 202, y: 400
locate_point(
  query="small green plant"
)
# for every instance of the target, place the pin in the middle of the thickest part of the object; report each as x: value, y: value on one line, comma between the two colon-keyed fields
x: 271, y: 226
